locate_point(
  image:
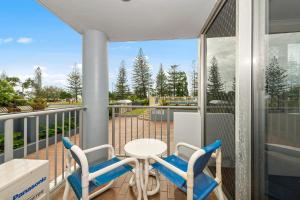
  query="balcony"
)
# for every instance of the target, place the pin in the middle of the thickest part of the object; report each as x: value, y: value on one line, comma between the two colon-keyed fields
x: 254, y: 110
x: 126, y: 123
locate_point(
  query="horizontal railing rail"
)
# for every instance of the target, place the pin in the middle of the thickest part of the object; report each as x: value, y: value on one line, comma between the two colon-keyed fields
x: 38, y: 113
x: 158, y: 107
x: 44, y: 143
x: 134, y: 122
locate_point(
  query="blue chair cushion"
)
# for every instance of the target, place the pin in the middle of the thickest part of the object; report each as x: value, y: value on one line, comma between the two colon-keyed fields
x: 203, y: 184
x: 173, y: 177
x: 75, y: 178
x: 202, y: 161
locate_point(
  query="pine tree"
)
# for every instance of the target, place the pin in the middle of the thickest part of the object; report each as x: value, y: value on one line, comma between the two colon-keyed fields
x: 3, y: 75
x: 172, y: 80
x: 194, y: 81
x: 276, y: 80
x: 161, y: 82
x: 142, y: 82
x: 215, y: 86
x: 74, y: 82
x: 122, y: 88
x: 38, y: 80
x: 182, y: 85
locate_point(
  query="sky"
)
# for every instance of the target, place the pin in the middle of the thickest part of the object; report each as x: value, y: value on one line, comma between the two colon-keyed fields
x: 31, y: 36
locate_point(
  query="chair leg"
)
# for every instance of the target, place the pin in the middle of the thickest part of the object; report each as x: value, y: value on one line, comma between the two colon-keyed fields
x: 220, y: 192
x: 190, y: 189
x: 85, y: 193
x: 66, y: 192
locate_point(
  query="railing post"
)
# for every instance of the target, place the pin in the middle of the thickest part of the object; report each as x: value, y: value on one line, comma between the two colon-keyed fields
x: 80, y: 128
x: 25, y: 136
x: 55, y: 148
x: 113, y: 127
x: 168, y: 131
x: 37, y: 139
x: 47, y: 137
x: 62, y: 146
x: 75, y: 126
x: 69, y: 125
x: 8, y: 140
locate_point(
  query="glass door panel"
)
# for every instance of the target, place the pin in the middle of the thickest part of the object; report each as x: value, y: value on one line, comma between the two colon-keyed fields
x: 220, y: 92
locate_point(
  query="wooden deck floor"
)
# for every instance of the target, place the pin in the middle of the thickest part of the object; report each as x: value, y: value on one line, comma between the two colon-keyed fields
x: 122, y: 191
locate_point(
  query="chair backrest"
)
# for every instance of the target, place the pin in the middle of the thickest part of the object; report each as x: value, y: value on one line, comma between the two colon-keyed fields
x: 202, y: 161
x: 74, y: 152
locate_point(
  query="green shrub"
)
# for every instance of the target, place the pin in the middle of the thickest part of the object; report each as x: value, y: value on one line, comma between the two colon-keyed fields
x: 144, y: 102
x: 38, y: 104
x: 7, y: 93
x: 18, y: 141
x: 21, y: 102
x: 1, y: 143
x: 163, y: 102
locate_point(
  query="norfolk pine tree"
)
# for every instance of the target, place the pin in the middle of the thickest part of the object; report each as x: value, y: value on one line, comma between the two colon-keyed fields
x: 215, y: 86
x: 74, y: 82
x: 276, y: 80
x: 141, y: 77
x: 161, y: 82
x: 172, y: 80
x: 122, y: 88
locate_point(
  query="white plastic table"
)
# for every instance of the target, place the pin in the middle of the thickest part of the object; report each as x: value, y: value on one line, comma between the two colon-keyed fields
x: 142, y: 149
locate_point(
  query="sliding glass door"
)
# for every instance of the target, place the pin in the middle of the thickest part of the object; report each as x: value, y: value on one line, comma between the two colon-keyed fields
x: 277, y: 101
x: 220, y: 90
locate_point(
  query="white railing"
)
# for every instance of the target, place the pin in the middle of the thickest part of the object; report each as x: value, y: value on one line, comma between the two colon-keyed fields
x: 133, y: 122
x: 33, y: 150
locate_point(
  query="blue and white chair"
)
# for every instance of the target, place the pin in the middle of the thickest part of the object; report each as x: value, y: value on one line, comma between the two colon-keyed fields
x: 87, y: 179
x: 189, y: 175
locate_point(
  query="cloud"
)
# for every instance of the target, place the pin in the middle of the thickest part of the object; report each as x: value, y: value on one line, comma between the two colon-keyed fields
x: 24, y: 40
x: 6, y: 40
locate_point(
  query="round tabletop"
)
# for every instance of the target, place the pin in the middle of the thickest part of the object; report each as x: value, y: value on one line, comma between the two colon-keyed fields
x: 143, y: 148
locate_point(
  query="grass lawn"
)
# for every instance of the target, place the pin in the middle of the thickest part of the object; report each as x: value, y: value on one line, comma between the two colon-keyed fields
x: 138, y: 111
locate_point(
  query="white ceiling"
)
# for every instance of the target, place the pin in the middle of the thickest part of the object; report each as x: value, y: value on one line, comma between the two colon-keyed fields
x: 135, y: 20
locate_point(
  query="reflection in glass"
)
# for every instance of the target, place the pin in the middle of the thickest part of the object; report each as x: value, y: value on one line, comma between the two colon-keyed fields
x: 280, y: 132
x: 220, y: 92
x: 282, y: 128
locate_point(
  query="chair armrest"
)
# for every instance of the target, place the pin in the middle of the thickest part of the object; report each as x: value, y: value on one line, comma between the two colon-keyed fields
x: 105, y: 146
x: 179, y: 172
x: 218, y: 156
x: 114, y: 166
x: 189, y: 146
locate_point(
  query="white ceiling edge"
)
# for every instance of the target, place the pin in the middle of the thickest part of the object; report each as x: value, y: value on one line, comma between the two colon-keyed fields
x: 80, y: 27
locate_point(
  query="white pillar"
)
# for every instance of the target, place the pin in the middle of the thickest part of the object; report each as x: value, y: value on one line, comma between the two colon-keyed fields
x: 95, y: 91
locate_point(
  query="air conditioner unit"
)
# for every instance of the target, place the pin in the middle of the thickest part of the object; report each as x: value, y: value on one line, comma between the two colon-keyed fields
x: 22, y: 179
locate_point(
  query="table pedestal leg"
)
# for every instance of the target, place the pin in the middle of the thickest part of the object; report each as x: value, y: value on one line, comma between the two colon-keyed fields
x: 156, y: 190
x: 144, y: 178
x: 132, y: 179
x: 146, y: 174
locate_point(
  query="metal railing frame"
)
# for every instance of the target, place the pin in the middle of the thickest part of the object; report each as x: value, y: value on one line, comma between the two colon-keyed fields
x: 143, y: 133
x: 9, y: 130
